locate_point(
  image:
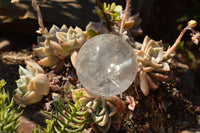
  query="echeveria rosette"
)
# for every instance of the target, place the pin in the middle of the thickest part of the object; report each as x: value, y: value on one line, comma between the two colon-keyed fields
x: 44, y: 50
x: 57, y: 44
x: 69, y: 43
x: 152, y: 66
x: 32, y: 85
x: 104, y: 111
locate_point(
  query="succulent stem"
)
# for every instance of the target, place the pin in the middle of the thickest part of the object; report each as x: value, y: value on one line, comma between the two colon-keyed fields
x: 128, y: 5
x: 178, y: 41
x: 37, y: 9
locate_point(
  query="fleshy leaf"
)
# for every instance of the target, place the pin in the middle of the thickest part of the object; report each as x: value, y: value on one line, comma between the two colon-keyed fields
x: 144, y: 85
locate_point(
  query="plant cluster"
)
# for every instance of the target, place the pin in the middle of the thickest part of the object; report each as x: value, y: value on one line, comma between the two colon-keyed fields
x: 57, y: 44
x: 104, y: 111
x: 85, y: 110
x: 9, y: 119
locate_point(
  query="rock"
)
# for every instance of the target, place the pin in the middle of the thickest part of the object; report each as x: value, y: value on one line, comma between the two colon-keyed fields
x: 5, y: 45
x: 26, y: 125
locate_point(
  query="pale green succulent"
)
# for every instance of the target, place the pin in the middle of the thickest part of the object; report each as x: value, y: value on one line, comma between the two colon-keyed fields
x: 152, y: 66
x: 9, y: 119
x: 104, y: 111
x: 32, y: 85
x: 58, y: 44
x: 44, y: 49
x: 67, y: 41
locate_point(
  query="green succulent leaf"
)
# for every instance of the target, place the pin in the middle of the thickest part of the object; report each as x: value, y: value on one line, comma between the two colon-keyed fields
x: 118, y: 8
x: 112, y: 7
x: 9, y: 119
x: 48, y: 129
x: 112, y: 10
x: 91, y: 33
x: 68, y: 118
x: 2, y: 83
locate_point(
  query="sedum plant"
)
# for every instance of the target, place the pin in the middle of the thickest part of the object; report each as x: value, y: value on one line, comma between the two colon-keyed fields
x: 104, y: 111
x: 48, y: 129
x: 32, y: 85
x: 112, y: 10
x: 69, y: 118
x: 87, y: 110
x: 9, y: 119
x: 117, y: 20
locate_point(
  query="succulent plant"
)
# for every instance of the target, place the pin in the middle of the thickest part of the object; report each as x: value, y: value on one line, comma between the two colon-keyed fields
x: 58, y: 44
x: 104, y: 111
x: 152, y: 66
x: 71, y: 40
x: 44, y: 49
x: 153, y: 60
x: 117, y: 19
x: 69, y: 118
x: 112, y: 10
x: 48, y: 129
x: 68, y: 42
x: 32, y: 85
x: 9, y: 119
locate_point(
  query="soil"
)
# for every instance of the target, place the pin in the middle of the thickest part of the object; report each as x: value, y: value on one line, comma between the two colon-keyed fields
x: 174, y: 107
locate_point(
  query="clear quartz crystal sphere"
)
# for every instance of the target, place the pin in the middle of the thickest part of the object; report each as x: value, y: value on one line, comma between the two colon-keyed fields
x: 106, y: 65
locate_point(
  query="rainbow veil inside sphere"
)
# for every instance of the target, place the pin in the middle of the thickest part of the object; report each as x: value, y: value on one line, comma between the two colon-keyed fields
x: 106, y: 65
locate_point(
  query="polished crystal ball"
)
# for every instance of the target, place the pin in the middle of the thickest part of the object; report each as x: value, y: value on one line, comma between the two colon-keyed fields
x: 106, y: 65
